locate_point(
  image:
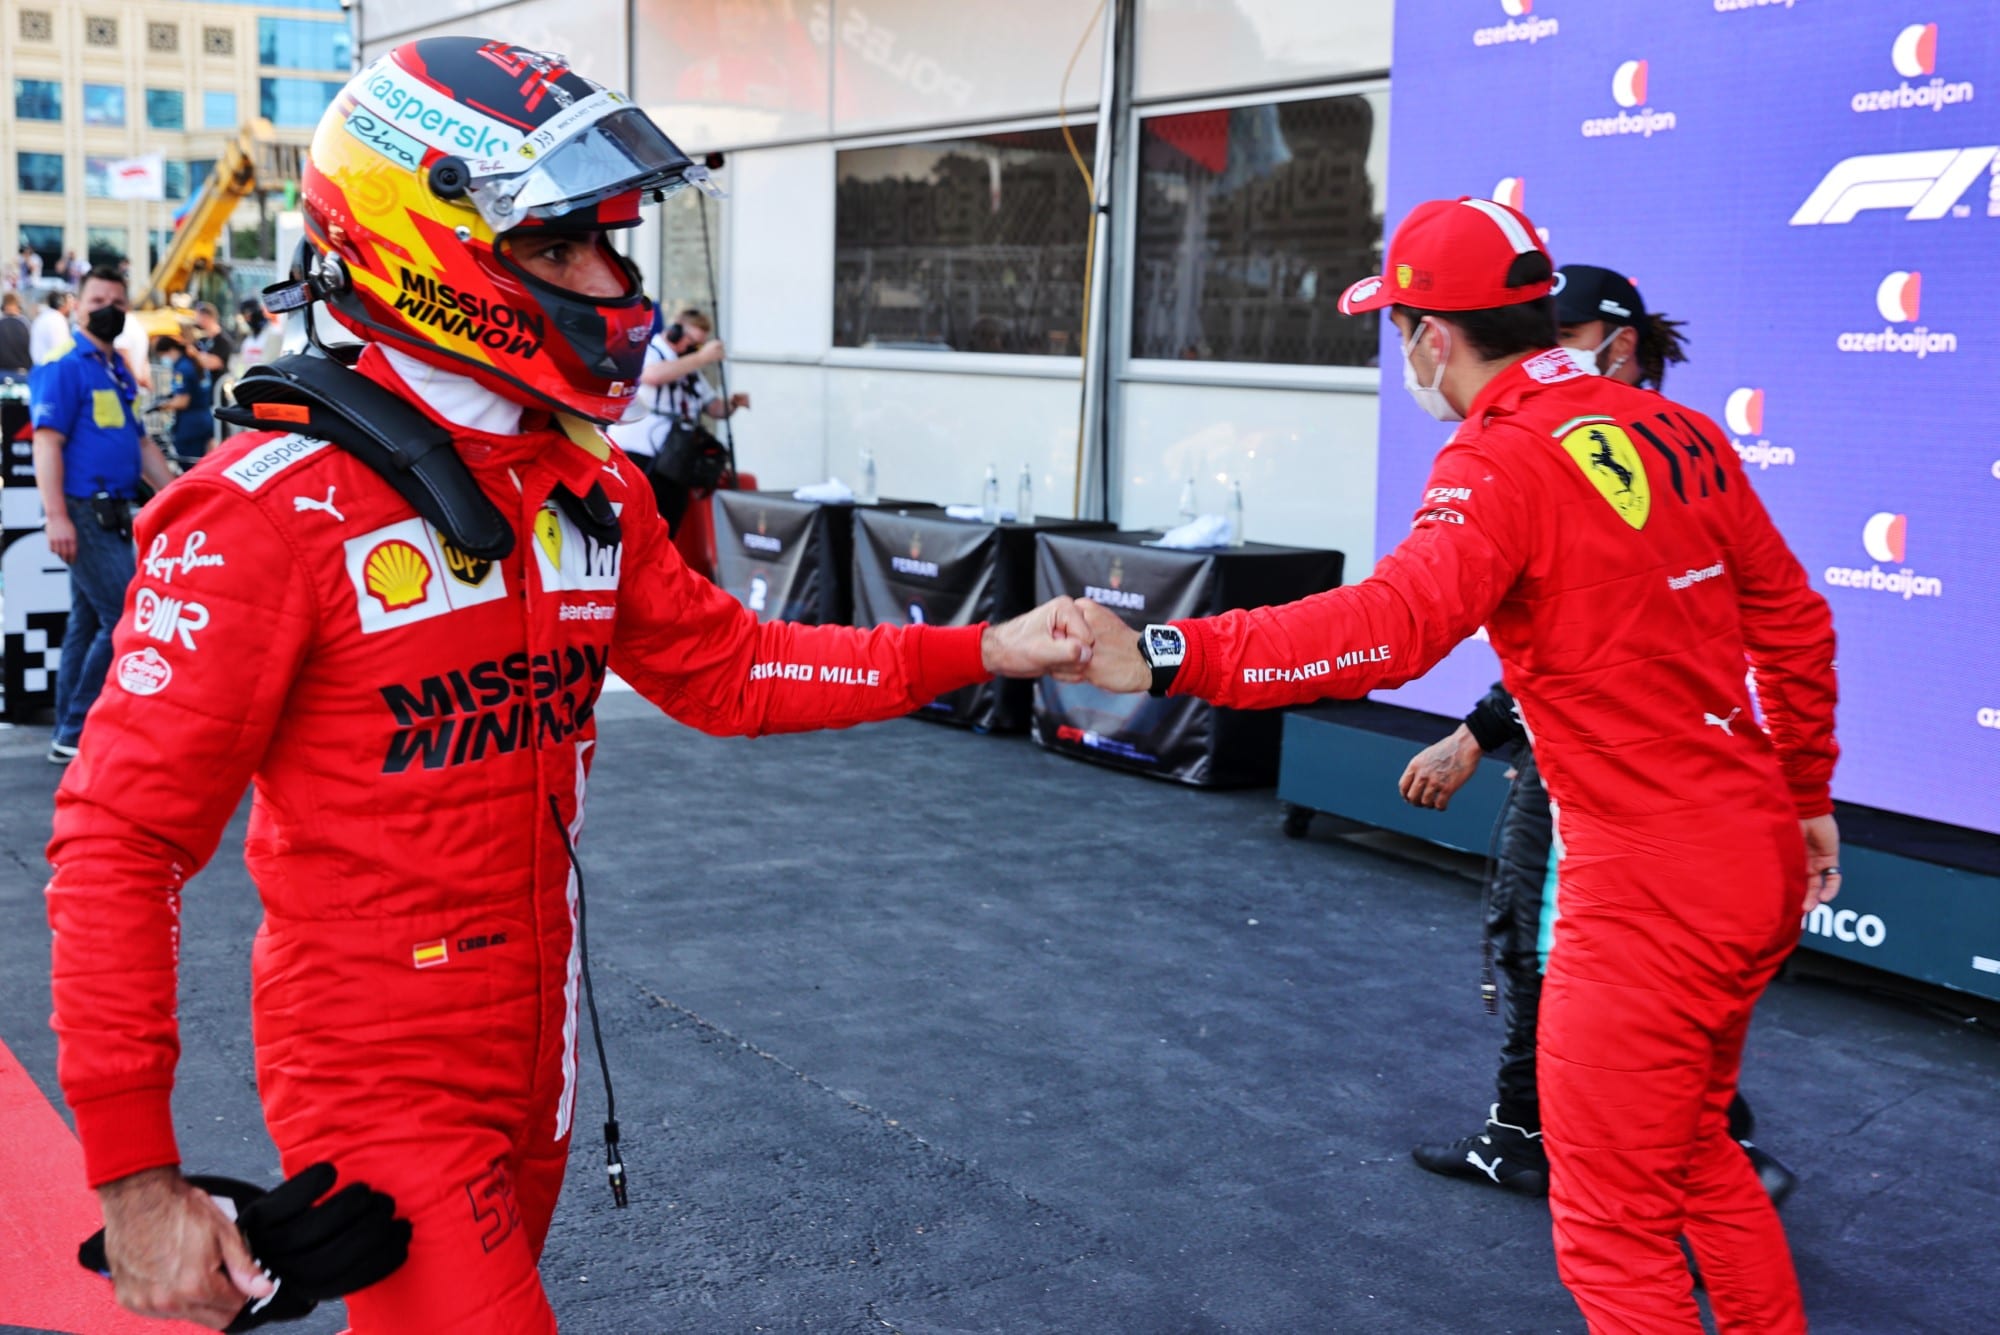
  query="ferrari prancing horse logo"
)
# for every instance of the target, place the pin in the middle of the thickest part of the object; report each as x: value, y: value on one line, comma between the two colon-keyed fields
x: 1609, y: 459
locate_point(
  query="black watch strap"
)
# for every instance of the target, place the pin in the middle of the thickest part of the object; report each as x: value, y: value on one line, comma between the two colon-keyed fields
x: 1165, y: 665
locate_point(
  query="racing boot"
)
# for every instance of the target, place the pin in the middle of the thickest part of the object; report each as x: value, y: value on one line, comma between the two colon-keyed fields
x: 1503, y: 1155
x: 1778, y: 1180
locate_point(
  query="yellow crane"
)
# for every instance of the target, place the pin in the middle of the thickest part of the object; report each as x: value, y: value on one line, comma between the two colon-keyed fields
x: 255, y: 160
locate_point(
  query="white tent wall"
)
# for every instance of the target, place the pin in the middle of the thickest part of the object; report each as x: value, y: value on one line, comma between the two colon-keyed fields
x: 783, y: 87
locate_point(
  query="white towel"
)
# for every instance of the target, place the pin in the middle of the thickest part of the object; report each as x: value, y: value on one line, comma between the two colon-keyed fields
x: 976, y: 514
x: 832, y: 490
x: 1200, y: 532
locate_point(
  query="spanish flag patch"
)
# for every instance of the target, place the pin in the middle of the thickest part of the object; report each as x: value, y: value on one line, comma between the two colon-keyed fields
x: 427, y: 954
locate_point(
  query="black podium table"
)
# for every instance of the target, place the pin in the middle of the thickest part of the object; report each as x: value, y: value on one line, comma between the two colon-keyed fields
x: 1187, y: 740
x: 790, y: 560
x: 924, y: 566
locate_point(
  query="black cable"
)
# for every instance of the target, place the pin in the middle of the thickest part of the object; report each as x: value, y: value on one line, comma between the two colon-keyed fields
x: 1489, y: 987
x: 721, y: 368
x: 614, y: 1163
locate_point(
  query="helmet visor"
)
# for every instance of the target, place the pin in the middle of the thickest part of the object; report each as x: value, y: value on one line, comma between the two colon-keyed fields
x: 613, y: 154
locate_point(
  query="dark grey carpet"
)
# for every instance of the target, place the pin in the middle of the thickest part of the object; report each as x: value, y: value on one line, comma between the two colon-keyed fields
x: 921, y: 1031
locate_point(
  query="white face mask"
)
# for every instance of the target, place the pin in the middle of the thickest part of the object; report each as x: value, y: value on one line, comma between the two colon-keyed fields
x: 1430, y: 397
x: 1591, y: 364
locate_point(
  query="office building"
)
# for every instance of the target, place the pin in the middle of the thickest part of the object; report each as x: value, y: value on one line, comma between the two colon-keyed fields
x: 96, y: 81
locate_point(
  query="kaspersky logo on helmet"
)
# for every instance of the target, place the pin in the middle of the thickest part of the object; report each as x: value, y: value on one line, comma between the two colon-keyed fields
x: 1743, y: 414
x: 1885, y: 537
x: 1629, y: 86
x: 1899, y: 298
x: 428, y: 116
x: 1914, y: 55
x: 1521, y: 26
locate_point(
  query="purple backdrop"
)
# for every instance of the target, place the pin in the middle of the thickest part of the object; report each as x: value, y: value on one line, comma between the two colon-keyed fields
x: 1813, y: 189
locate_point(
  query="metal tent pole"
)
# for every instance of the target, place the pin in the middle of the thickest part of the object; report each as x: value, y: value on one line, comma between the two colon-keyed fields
x: 1096, y: 491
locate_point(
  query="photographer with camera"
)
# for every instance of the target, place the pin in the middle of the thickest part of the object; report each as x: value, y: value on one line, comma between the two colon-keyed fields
x: 666, y: 431
x: 90, y: 456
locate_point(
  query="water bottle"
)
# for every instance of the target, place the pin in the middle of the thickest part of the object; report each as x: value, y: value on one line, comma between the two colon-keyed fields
x: 989, y: 496
x: 867, y: 494
x: 1024, y: 497
x: 1236, y: 514
x: 1187, y: 510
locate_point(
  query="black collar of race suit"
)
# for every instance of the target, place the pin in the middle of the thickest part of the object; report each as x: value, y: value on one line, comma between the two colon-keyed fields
x: 316, y: 396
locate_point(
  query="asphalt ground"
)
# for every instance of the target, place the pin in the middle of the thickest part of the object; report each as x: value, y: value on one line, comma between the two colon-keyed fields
x: 916, y: 1030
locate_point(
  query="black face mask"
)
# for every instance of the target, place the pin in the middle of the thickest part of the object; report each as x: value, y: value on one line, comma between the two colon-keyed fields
x: 105, y: 323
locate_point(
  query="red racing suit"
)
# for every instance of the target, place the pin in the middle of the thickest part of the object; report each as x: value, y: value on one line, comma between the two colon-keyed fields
x: 409, y: 716
x: 1627, y: 575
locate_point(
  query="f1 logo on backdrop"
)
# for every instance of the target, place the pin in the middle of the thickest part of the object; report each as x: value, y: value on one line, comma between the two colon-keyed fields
x: 1926, y: 182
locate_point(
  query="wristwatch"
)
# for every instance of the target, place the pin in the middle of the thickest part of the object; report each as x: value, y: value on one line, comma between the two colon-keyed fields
x: 1163, y: 648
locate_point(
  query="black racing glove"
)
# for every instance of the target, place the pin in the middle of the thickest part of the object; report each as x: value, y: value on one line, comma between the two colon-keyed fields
x: 326, y: 1248
x: 313, y: 1250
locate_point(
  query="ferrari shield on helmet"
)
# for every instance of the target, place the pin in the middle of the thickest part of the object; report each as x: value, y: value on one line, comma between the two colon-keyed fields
x: 423, y: 166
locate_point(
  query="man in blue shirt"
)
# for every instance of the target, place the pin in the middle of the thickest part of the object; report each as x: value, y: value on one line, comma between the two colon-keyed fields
x: 90, y: 456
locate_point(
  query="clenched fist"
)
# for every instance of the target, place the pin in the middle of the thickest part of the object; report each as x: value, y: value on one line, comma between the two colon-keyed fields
x: 1054, y: 638
x: 1115, y: 664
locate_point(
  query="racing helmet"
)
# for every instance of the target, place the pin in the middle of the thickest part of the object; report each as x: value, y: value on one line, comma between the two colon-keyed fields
x: 423, y: 166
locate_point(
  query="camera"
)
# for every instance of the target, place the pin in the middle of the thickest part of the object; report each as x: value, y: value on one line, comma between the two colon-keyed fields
x: 113, y: 513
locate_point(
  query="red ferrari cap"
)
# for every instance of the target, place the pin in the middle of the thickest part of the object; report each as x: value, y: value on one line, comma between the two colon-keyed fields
x: 1453, y: 255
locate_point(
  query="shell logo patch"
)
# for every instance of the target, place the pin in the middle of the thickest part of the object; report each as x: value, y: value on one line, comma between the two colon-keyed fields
x: 1611, y: 461
x: 397, y: 574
